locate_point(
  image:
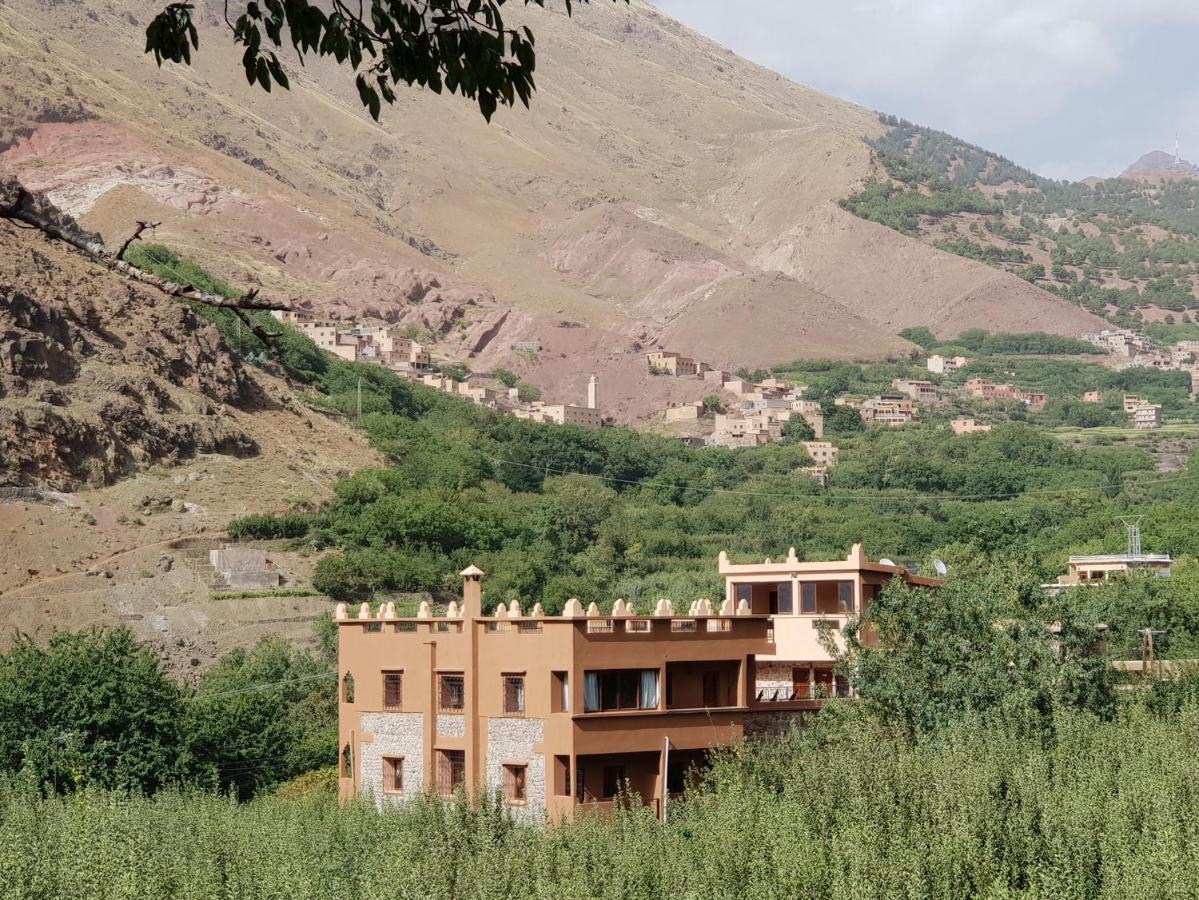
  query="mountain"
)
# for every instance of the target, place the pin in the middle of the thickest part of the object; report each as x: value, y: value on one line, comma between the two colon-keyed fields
x: 660, y: 192
x: 1159, y: 164
x: 1126, y: 249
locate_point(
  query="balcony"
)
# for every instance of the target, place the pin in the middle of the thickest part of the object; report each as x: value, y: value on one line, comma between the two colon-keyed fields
x: 605, y: 809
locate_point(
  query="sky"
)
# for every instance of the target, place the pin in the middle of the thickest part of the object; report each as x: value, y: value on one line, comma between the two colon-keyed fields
x: 1067, y: 88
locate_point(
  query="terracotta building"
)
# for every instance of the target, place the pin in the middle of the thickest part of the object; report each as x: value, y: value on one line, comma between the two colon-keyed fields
x: 555, y: 713
x: 561, y: 714
x: 804, y: 600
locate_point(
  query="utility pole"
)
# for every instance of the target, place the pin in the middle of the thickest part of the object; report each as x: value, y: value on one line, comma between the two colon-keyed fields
x: 1148, y: 654
x: 360, y: 397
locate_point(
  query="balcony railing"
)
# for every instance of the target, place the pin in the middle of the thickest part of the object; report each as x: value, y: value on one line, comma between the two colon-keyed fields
x: 606, y: 808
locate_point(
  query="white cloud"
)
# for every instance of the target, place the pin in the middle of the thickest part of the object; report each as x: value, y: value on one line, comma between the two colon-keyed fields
x: 983, y: 69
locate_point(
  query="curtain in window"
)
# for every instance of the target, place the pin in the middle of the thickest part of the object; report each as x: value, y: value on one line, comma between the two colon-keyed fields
x: 845, y: 589
x: 566, y: 694
x: 520, y: 695
x: 591, y: 692
x: 649, y: 689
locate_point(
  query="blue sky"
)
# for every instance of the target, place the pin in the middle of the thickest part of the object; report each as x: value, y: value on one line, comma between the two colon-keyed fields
x: 1068, y: 88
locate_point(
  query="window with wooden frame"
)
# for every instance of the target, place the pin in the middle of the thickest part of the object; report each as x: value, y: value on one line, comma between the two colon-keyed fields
x: 393, y: 690
x: 451, y: 692
x: 516, y: 784
x: 451, y: 771
x: 514, y: 695
x: 393, y: 775
x: 560, y: 692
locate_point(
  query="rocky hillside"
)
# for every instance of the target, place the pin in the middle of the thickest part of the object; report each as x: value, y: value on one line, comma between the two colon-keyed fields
x: 662, y: 191
x: 1124, y: 248
x: 129, y: 436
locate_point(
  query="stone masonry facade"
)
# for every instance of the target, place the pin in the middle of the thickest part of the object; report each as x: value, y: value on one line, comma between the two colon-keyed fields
x: 451, y: 725
x: 772, y: 675
x: 512, y: 741
x: 396, y: 735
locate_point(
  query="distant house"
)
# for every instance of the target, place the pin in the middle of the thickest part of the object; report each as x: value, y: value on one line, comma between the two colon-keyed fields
x: 966, y: 425
x: 672, y: 363
x: 886, y: 410
x: 920, y: 391
x: 946, y: 365
x: 526, y: 346
x: 1092, y: 397
x: 1131, y: 402
x: 823, y: 453
x: 684, y: 412
x: 1148, y: 415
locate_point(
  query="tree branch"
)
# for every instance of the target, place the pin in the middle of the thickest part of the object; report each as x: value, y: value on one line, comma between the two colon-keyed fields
x: 22, y: 210
x: 136, y: 236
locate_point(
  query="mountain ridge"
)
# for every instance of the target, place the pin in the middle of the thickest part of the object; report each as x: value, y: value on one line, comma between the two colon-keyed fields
x: 435, y: 219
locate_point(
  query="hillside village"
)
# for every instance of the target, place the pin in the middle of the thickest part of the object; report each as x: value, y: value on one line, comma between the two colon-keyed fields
x: 740, y: 411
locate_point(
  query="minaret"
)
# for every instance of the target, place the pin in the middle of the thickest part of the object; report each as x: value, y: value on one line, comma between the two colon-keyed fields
x: 593, y: 393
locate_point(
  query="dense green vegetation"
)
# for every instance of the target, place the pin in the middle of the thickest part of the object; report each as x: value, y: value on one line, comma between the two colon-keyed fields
x: 980, y: 342
x: 1112, y: 247
x: 96, y: 710
x: 1102, y: 810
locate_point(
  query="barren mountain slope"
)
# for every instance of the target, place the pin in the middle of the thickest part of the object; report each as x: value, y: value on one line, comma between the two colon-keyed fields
x: 148, y: 431
x: 437, y: 218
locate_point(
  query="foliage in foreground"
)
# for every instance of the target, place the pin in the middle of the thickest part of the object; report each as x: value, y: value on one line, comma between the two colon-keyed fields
x: 1102, y: 809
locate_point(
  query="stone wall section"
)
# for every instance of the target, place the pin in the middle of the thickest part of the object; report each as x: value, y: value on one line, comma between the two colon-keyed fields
x: 772, y: 675
x: 394, y: 734
x: 774, y: 723
x: 512, y: 741
x: 450, y: 725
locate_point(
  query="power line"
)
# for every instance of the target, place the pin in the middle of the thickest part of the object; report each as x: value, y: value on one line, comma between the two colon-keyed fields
x: 266, y: 685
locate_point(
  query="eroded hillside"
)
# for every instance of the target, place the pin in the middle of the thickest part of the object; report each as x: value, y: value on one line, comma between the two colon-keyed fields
x: 129, y: 436
x: 661, y: 191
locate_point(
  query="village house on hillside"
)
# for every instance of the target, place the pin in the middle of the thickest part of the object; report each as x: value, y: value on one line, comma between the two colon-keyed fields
x: 563, y: 714
x: 946, y: 365
x: 967, y: 425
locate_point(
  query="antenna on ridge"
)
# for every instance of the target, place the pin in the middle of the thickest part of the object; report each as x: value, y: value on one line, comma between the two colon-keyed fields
x: 1133, y: 524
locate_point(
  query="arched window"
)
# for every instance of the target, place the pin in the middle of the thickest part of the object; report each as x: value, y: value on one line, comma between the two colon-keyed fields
x: 347, y: 688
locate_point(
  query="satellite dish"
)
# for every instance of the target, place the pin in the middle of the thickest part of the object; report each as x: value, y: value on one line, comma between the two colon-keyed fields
x: 942, y: 569
x: 886, y: 562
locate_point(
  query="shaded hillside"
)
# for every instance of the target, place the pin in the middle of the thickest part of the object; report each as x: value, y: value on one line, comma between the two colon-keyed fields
x: 1125, y: 248
x: 434, y: 218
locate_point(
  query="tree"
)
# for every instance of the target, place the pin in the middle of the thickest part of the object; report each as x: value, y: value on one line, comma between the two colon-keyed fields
x: 527, y: 393
x: 712, y: 405
x: 843, y: 420
x: 462, y: 46
x: 89, y: 708
x: 797, y: 429
x: 980, y: 645
x: 262, y: 716
x: 506, y: 377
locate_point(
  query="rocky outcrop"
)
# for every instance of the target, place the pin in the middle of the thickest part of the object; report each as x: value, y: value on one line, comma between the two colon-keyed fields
x: 99, y: 378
